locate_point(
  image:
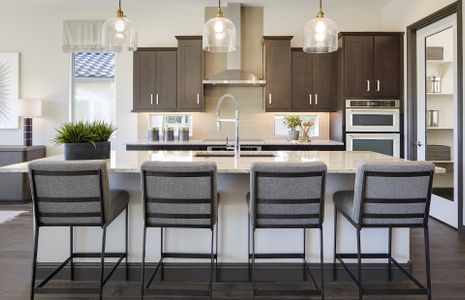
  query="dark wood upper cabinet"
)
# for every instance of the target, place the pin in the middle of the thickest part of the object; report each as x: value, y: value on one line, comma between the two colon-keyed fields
x: 372, y: 65
x: 314, y: 81
x: 388, y: 66
x: 154, y: 80
x: 190, y: 73
x: 277, y: 72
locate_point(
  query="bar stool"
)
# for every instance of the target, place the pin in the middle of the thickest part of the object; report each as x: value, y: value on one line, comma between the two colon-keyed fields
x: 179, y: 195
x: 75, y: 194
x: 286, y: 195
x: 387, y: 195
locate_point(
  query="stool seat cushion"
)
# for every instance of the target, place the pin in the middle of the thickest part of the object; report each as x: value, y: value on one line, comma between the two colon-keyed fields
x: 119, y: 200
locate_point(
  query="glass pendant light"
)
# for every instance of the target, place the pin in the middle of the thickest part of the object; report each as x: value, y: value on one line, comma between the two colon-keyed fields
x: 219, y: 33
x: 321, y: 34
x: 119, y: 34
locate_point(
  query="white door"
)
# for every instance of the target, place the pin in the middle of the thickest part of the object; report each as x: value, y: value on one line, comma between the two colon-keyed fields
x: 437, y: 112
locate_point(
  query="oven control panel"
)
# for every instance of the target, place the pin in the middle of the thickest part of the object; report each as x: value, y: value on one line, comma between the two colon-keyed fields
x: 373, y: 103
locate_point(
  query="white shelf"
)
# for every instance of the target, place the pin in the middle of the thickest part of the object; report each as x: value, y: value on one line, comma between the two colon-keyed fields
x: 439, y: 62
x: 440, y: 128
x: 441, y: 161
x: 439, y: 94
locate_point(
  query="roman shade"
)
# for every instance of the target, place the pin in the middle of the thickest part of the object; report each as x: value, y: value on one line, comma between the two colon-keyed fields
x: 82, y: 35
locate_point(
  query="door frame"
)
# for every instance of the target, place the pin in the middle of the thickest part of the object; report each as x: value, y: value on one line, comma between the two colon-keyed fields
x: 412, y: 137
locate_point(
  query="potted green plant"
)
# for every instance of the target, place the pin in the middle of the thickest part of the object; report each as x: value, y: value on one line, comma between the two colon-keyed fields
x: 292, y: 122
x: 85, y: 140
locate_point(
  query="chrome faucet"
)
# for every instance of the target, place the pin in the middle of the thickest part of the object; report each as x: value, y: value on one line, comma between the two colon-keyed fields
x: 237, y: 146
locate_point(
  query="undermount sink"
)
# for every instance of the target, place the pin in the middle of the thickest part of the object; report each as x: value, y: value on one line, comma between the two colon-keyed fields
x: 231, y: 154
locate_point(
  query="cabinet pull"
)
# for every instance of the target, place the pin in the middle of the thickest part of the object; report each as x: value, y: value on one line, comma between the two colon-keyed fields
x: 270, y: 99
x: 198, y: 99
x: 368, y: 85
x: 310, y: 99
x: 378, y: 85
x: 151, y: 99
x: 157, y: 99
x: 316, y: 99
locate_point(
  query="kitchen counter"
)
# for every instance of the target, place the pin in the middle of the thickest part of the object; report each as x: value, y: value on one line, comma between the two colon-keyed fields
x: 338, y: 162
x: 233, y: 182
x: 267, y: 145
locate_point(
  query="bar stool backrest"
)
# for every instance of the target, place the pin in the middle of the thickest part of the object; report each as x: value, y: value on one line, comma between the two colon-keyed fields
x: 70, y: 193
x: 287, y: 195
x: 393, y: 194
x: 179, y: 194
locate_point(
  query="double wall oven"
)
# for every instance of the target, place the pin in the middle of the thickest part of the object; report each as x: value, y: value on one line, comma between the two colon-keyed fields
x: 373, y: 125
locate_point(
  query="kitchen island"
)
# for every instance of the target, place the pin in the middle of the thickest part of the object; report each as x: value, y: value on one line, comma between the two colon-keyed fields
x: 233, y: 184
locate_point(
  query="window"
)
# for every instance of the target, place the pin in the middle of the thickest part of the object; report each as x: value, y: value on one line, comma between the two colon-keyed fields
x: 280, y: 130
x: 93, y: 90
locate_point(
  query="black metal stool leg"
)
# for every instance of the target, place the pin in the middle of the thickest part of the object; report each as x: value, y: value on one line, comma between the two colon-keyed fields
x: 335, y: 244
x: 427, y: 259
x: 248, y: 245
x: 162, y: 266
x: 322, y: 265
x: 102, y: 262
x: 390, y: 254
x: 144, y: 242
x: 253, y: 260
x: 126, y: 242
x: 212, y: 253
x: 305, y: 254
x: 359, y: 265
x: 34, y: 262
x: 71, y: 250
x: 216, y: 251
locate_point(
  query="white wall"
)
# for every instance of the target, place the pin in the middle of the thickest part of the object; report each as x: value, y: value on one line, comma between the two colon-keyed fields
x: 36, y: 32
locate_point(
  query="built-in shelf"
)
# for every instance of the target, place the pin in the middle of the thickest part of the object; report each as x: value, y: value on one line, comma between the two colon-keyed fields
x: 439, y: 62
x: 439, y: 94
x: 440, y: 128
x: 441, y: 161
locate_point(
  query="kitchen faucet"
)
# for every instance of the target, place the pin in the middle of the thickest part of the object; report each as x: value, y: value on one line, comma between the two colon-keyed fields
x: 237, y: 146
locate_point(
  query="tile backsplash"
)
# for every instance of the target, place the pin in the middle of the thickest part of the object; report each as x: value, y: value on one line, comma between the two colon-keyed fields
x: 254, y: 122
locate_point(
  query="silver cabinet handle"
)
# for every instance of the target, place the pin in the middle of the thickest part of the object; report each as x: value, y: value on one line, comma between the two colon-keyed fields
x: 157, y: 99
x: 316, y: 99
x: 198, y: 99
x: 151, y: 99
x: 378, y: 85
x: 368, y: 85
x: 270, y: 99
x: 310, y: 99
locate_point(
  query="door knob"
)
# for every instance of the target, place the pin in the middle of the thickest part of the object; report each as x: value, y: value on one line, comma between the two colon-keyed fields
x: 419, y: 144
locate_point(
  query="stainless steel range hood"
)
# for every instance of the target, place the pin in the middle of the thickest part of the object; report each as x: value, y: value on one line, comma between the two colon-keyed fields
x: 234, y: 75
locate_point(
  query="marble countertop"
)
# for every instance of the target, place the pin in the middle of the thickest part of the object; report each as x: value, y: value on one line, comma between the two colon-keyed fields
x: 243, y: 142
x: 338, y: 162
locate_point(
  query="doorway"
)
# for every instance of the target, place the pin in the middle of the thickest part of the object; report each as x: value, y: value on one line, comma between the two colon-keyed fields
x: 435, y: 121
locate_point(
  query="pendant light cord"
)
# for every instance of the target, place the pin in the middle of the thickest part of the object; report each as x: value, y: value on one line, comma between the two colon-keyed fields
x: 219, y: 4
x: 321, y: 4
x: 119, y: 4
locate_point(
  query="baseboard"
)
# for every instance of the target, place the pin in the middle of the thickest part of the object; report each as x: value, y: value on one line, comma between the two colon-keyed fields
x: 227, y: 272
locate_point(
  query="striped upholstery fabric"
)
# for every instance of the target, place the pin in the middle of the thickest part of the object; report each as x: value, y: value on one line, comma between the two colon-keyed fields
x: 287, y: 194
x: 178, y: 194
x: 69, y: 193
x: 391, y: 193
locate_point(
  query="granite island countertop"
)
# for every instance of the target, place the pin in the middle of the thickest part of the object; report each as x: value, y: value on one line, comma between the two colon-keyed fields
x: 338, y: 162
x: 245, y: 142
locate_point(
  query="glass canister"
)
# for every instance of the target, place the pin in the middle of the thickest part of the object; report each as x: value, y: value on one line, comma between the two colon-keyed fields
x: 183, y: 133
x: 168, y: 134
x: 433, y: 118
x: 153, y: 134
x: 434, y: 84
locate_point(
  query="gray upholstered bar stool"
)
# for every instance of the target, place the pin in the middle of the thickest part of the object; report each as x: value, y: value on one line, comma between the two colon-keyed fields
x: 179, y: 195
x: 75, y: 194
x: 387, y: 195
x: 287, y: 195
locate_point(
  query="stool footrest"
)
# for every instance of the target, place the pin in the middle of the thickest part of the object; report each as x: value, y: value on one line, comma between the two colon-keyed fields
x: 277, y: 255
x: 187, y: 255
x: 66, y: 291
x: 372, y: 291
x: 364, y: 255
x: 98, y: 254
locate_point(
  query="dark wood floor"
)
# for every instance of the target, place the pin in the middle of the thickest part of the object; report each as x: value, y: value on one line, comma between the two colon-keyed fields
x: 447, y: 251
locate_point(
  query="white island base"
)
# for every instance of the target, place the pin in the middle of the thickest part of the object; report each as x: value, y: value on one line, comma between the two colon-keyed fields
x: 233, y: 184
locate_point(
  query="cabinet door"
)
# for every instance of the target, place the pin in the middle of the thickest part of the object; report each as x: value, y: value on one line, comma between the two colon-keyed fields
x: 277, y: 74
x: 325, y: 81
x: 144, y: 81
x: 190, y: 74
x: 387, y: 66
x: 302, y: 81
x: 358, y: 66
x: 165, y: 83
